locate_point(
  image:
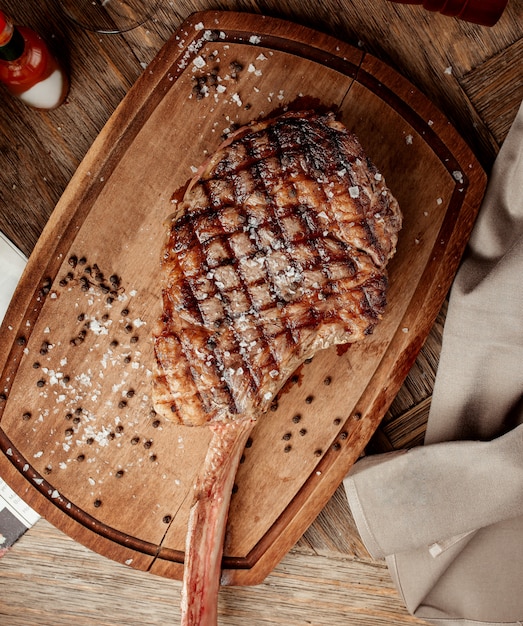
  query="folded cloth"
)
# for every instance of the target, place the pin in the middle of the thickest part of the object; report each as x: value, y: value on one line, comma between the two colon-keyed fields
x: 448, y: 516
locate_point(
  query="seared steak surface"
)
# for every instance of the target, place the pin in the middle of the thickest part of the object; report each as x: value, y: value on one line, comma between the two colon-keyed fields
x: 277, y: 249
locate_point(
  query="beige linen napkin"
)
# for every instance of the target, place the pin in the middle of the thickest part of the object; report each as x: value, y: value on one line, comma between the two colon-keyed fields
x: 448, y: 516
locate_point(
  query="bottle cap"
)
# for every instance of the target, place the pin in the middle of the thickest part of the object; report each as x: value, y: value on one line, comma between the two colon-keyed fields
x: 12, y: 43
x: 484, y: 12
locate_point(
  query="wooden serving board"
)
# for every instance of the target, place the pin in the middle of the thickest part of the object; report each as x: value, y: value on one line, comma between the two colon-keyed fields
x: 80, y: 441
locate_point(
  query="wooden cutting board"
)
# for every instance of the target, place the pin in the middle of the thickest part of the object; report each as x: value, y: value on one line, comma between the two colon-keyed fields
x: 80, y: 441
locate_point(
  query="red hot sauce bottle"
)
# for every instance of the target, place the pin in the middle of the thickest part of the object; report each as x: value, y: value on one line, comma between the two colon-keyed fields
x: 28, y: 69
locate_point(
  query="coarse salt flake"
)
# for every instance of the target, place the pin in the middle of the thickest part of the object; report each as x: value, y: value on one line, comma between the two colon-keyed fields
x: 458, y: 176
x: 84, y: 379
x: 254, y: 39
x: 354, y: 192
x: 199, y: 62
x: 97, y: 328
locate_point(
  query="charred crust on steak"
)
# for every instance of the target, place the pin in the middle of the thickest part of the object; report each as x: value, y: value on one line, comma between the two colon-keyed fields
x: 278, y: 249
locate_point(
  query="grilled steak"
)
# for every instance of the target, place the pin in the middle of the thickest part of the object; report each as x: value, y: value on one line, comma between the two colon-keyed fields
x: 278, y: 249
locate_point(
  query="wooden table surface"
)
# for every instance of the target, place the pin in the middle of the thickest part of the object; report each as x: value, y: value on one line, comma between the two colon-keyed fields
x: 473, y: 74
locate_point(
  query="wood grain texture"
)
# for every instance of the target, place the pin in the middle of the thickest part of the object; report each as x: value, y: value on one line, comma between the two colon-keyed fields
x: 460, y: 66
x: 501, y: 74
x: 78, y: 424
x: 423, y: 46
x: 87, y: 589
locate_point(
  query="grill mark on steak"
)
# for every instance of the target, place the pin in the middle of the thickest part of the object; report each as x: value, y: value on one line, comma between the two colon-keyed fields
x: 262, y: 185
x: 231, y: 316
x: 220, y: 292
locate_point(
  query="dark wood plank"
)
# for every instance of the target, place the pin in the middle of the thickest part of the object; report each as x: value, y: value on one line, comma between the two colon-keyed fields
x: 502, y: 74
x: 40, y: 151
x: 49, y: 580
